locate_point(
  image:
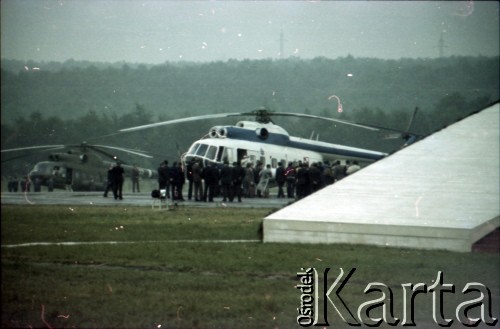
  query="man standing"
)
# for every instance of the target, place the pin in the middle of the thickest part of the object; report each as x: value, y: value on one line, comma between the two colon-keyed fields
x: 189, y: 176
x: 196, y: 170
x: 226, y: 181
x: 238, y: 176
x: 110, y: 182
x: 265, y: 176
x: 135, y: 179
x: 118, y: 181
x: 290, y: 180
x: 280, y: 180
x: 163, y: 177
x: 211, y: 177
x: 314, y: 178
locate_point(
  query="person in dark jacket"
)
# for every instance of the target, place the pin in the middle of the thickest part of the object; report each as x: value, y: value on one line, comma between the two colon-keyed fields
x: 280, y: 180
x: 290, y: 176
x: 238, y: 175
x: 177, y: 180
x: 189, y: 176
x: 197, y: 171
x: 226, y: 181
x: 314, y: 178
x: 211, y: 177
x: 303, y: 181
x: 164, y: 177
x: 118, y: 181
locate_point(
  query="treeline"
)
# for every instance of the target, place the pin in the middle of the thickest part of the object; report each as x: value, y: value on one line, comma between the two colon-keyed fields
x: 54, y: 103
x: 169, y: 142
x: 174, y: 90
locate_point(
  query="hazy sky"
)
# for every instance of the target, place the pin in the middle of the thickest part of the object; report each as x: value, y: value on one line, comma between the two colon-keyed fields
x: 159, y: 31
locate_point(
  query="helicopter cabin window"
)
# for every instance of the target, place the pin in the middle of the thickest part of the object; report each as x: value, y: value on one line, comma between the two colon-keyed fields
x: 219, y: 154
x: 55, y: 171
x: 212, y: 150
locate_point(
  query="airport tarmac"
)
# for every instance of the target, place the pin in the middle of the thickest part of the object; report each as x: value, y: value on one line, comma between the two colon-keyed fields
x: 142, y: 199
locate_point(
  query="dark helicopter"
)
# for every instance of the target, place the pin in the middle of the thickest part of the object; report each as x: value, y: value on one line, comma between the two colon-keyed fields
x: 79, y: 168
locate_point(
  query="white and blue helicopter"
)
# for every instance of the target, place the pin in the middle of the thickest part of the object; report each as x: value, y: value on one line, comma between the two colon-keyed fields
x: 265, y: 142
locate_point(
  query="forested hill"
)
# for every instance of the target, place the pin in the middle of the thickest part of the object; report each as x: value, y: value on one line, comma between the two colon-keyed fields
x: 73, y: 89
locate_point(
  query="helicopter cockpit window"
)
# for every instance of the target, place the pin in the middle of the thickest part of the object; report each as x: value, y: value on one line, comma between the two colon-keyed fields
x: 201, y: 150
x: 212, y: 150
x: 193, y: 148
x: 42, y: 167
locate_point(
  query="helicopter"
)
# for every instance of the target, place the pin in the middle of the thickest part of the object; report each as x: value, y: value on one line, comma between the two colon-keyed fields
x: 79, y: 168
x: 267, y: 143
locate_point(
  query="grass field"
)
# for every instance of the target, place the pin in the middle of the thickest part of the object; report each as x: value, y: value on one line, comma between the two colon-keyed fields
x: 139, y: 268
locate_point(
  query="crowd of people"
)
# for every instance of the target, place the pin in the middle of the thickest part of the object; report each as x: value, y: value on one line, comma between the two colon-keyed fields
x: 171, y: 180
x: 230, y: 182
x: 234, y: 182
x: 301, y: 179
x: 25, y: 184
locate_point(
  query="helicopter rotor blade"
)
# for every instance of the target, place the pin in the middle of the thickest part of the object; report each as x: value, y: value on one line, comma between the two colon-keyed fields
x: 407, y: 135
x: 264, y: 116
x: 351, y: 123
x: 393, y: 136
x: 108, y: 155
x: 123, y: 150
x: 189, y: 119
x: 410, y: 124
x: 38, y: 149
x: 46, y: 147
x: 82, y: 147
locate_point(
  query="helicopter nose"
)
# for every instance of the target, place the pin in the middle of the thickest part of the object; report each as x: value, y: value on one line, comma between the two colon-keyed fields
x: 35, y: 174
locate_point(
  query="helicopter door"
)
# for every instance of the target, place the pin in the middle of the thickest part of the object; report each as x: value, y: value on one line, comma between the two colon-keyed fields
x: 69, y: 176
x: 241, y: 155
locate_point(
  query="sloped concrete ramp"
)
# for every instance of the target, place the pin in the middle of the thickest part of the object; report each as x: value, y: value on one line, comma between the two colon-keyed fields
x: 439, y: 193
